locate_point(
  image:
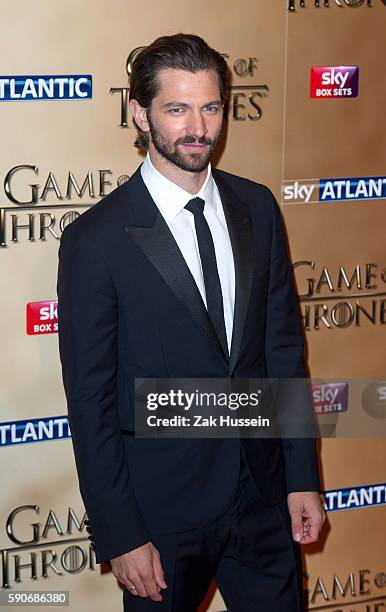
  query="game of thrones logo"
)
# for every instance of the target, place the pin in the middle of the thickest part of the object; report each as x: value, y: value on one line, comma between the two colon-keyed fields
x: 30, y: 218
x: 341, y: 297
x: 244, y: 97
x: 42, y: 549
x: 292, y: 4
x: 358, y: 591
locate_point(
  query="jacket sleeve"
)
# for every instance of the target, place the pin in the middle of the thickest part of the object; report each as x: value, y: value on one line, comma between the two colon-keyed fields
x: 284, y: 352
x: 87, y: 313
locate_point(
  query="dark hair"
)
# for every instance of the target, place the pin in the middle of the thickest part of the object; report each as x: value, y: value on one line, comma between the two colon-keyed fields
x: 180, y: 51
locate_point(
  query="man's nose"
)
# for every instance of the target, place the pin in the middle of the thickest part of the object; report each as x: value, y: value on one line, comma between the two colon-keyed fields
x: 197, y: 125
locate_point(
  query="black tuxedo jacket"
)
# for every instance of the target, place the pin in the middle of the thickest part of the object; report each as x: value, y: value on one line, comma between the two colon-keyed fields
x: 129, y: 307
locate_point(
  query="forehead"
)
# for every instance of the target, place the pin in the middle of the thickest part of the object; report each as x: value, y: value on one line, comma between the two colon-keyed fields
x: 183, y: 86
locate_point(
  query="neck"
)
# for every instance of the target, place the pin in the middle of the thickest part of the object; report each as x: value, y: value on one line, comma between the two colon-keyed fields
x: 189, y: 181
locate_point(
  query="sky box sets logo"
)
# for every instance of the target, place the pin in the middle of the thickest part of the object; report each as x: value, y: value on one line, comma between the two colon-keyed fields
x: 42, y: 317
x: 43, y: 87
x: 330, y: 397
x: 334, y: 82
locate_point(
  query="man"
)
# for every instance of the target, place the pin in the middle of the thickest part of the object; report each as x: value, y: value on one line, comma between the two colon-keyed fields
x: 182, y: 272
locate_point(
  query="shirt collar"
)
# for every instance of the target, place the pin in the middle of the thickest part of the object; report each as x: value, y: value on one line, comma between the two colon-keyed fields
x: 169, y: 197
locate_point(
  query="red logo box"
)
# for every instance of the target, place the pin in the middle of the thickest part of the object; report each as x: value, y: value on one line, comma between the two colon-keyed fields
x: 42, y: 317
x: 334, y: 82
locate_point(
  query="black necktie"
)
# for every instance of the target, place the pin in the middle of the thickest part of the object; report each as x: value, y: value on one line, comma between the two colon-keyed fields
x: 212, y: 283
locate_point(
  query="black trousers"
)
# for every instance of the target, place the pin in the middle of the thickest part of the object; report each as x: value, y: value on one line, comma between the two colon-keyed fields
x: 249, y: 552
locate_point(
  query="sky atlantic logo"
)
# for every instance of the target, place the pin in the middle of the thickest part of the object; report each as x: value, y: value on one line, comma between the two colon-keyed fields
x: 42, y: 317
x: 34, y: 430
x: 42, y: 87
x: 334, y: 82
x: 363, y: 496
x: 345, y: 189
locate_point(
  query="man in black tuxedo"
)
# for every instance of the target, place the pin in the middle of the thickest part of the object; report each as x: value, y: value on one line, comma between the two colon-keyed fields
x: 182, y: 272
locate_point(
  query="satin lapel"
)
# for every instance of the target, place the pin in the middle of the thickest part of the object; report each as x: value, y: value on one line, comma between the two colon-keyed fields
x: 151, y: 233
x: 241, y: 236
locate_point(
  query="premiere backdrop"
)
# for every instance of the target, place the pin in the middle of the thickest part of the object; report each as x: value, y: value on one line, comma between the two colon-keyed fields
x: 306, y: 117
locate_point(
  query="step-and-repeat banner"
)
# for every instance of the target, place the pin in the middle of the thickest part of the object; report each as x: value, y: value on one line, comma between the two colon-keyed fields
x: 306, y: 117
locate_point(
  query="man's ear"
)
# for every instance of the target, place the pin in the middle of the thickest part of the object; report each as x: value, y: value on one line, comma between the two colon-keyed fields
x: 139, y: 115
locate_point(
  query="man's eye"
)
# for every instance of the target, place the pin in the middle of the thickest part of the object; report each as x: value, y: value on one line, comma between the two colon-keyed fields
x: 176, y: 111
x: 213, y: 108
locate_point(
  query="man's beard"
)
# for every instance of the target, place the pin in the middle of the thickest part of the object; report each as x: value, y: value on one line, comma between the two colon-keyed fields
x: 191, y: 162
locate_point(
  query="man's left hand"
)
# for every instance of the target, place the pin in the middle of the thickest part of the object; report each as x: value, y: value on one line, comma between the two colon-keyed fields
x: 307, y: 516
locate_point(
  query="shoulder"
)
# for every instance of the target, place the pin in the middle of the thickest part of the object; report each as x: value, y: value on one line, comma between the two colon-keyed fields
x: 243, y: 186
x: 102, y: 214
x: 107, y: 214
x: 253, y: 194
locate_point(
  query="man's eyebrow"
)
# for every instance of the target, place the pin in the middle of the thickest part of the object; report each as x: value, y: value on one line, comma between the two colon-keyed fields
x: 170, y: 104
x: 185, y: 105
x: 213, y: 102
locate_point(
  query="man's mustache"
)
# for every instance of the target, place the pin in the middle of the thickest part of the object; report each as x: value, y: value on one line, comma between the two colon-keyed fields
x: 203, y: 140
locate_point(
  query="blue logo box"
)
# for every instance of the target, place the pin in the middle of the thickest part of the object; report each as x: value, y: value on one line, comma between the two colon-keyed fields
x: 45, y: 87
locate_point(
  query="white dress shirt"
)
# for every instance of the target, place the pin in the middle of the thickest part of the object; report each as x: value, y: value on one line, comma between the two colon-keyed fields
x: 171, y: 200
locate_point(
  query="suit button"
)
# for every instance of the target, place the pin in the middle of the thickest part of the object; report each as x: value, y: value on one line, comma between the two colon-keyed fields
x: 92, y: 546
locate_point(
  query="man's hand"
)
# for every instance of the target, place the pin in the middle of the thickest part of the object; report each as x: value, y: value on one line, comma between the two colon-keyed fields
x: 141, y: 568
x: 307, y: 516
